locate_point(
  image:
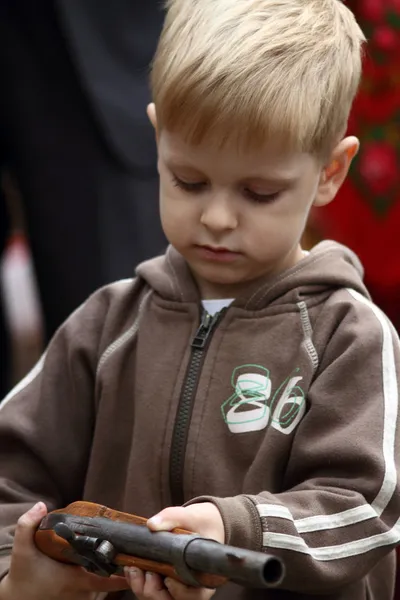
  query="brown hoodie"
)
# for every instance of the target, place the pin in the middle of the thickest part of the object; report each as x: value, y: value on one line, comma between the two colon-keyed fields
x: 283, y: 410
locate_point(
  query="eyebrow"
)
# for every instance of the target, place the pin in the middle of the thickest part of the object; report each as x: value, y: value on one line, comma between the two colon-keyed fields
x: 178, y: 164
x: 274, y: 179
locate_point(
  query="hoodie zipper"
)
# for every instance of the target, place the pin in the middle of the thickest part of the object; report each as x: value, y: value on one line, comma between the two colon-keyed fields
x: 199, y: 346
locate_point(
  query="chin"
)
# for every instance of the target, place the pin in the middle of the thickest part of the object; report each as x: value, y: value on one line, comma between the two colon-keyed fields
x: 219, y: 276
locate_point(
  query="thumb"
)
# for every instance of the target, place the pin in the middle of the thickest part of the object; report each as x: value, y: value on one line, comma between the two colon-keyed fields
x: 27, y: 525
x: 170, y: 518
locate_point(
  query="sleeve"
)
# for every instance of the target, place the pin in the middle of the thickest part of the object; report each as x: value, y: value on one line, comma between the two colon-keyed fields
x: 338, y: 513
x: 46, y: 423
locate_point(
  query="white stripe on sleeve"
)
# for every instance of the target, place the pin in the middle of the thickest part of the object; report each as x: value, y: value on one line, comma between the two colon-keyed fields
x: 376, y: 508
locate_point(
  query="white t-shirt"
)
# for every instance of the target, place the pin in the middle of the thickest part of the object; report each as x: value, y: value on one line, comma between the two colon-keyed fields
x: 214, y: 306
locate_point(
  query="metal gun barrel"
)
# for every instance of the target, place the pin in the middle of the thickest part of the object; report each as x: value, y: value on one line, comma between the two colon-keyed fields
x: 253, y: 569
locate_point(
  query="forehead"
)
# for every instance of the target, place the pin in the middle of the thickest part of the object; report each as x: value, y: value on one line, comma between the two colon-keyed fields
x: 213, y: 158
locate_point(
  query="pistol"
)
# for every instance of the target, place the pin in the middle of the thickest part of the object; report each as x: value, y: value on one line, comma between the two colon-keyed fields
x: 104, y: 541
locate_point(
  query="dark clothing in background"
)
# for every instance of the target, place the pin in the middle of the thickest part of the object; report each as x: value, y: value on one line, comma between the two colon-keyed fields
x: 5, y: 348
x: 74, y: 80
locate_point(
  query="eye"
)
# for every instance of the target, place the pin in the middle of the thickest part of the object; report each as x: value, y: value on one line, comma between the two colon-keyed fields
x: 188, y: 186
x: 261, y: 198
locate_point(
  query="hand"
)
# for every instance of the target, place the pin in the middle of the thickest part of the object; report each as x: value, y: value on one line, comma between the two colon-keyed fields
x: 203, y: 518
x: 35, y: 576
x: 150, y: 586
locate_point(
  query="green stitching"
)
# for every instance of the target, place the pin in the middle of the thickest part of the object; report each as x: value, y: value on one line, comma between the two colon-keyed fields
x: 254, y: 392
x: 287, y: 419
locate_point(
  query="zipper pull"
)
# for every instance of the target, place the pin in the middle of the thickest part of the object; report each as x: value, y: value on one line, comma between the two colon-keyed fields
x: 206, y: 326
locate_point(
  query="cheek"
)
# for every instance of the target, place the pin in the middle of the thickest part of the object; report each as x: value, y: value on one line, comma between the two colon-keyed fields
x: 163, y: 206
x: 272, y: 231
x: 167, y: 217
x: 174, y: 216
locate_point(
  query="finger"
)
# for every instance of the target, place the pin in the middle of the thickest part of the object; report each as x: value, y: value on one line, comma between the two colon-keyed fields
x: 154, y: 587
x: 146, y: 585
x: 95, y: 583
x: 169, y: 518
x: 26, y: 527
x: 153, y: 583
x: 135, y: 578
x: 180, y: 591
x: 72, y: 579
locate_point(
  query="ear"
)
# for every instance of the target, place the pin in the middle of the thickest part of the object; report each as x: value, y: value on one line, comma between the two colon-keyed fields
x: 335, y: 170
x: 151, y: 113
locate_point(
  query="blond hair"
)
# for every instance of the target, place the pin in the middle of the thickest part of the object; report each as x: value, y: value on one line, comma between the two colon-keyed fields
x: 253, y: 70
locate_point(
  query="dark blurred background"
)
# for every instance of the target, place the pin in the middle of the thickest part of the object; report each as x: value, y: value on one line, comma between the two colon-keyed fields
x: 79, y: 203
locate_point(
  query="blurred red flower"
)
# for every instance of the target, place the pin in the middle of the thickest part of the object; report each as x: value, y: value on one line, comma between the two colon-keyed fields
x: 386, y: 38
x: 373, y: 10
x: 378, y: 166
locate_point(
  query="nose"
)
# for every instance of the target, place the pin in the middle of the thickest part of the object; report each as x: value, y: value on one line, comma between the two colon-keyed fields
x: 219, y: 215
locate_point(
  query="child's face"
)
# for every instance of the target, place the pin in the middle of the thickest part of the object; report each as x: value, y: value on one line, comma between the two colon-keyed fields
x: 234, y: 216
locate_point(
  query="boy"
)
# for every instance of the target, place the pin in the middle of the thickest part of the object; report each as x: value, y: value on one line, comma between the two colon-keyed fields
x: 237, y: 375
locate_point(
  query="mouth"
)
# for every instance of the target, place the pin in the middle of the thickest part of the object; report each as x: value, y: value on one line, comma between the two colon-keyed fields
x: 218, y: 249
x: 217, y: 253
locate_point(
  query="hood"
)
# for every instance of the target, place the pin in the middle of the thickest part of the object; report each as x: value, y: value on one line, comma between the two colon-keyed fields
x: 327, y: 267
